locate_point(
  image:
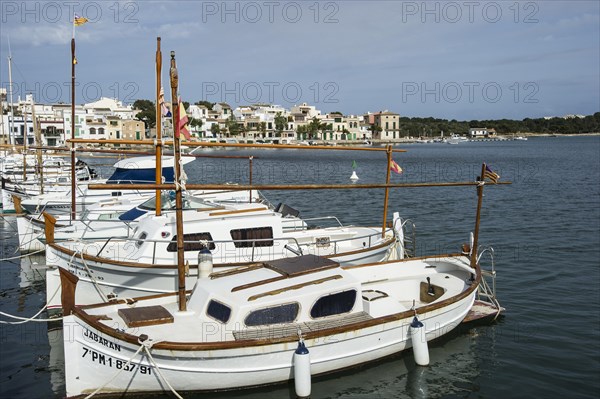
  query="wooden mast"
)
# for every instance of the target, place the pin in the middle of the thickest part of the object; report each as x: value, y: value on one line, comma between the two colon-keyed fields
x: 158, y: 126
x: 478, y: 216
x: 73, y: 61
x: 25, y: 141
x: 38, y: 140
x: 178, y: 196
x: 387, y: 190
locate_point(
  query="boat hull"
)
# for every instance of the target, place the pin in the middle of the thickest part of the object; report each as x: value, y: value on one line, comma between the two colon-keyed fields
x: 134, y: 280
x: 96, y: 357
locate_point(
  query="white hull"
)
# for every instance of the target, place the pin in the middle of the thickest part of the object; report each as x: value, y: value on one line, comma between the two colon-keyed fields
x: 95, y: 356
x: 135, y: 281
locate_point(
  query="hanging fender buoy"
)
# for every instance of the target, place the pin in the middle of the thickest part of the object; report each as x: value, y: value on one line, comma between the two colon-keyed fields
x: 302, y: 377
x: 419, y: 342
x: 205, y: 262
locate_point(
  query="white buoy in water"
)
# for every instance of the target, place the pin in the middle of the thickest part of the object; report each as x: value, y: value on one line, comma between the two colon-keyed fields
x: 205, y: 263
x: 354, y: 176
x: 302, y: 376
x: 419, y: 342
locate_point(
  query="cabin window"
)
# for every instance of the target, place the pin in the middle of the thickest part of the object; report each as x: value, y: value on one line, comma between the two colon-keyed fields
x: 141, y: 239
x: 253, y: 237
x: 191, y: 242
x: 341, y: 302
x: 218, y: 311
x: 273, y: 315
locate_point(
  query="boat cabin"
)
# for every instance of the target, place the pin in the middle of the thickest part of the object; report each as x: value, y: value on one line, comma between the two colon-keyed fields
x: 282, y: 294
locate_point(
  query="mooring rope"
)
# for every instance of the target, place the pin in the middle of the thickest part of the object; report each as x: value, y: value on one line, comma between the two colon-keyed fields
x: 146, y: 345
x: 102, y: 294
x: 23, y: 256
x: 147, y: 348
x: 32, y: 318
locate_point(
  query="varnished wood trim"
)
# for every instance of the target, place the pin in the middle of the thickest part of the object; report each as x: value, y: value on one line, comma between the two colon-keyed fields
x: 237, y: 270
x: 295, y: 287
x: 237, y: 211
x: 257, y: 283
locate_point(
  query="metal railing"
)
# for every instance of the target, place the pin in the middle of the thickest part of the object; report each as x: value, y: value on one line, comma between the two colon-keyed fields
x: 485, y: 292
x: 297, y: 248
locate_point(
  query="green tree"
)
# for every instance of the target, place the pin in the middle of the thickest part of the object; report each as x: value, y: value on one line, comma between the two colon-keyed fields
x: 280, y: 122
x: 196, y: 123
x: 232, y: 126
x: 207, y: 104
x: 301, y: 132
x: 374, y: 129
x: 147, y: 112
x: 215, y: 130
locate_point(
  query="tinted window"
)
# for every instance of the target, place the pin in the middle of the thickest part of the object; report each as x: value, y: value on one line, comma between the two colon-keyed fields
x: 191, y: 242
x: 246, y: 238
x: 273, y: 315
x: 333, y: 304
x: 218, y: 311
x: 141, y: 238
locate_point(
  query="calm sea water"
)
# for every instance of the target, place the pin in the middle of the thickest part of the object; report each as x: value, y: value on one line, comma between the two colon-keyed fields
x: 544, y: 228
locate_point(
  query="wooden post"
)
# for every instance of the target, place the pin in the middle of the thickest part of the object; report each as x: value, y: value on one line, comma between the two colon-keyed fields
x: 73, y: 176
x: 250, y: 182
x: 477, y: 217
x: 178, y: 196
x: 24, y: 143
x: 387, y: 190
x: 158, y: 126
x: 38, y: 140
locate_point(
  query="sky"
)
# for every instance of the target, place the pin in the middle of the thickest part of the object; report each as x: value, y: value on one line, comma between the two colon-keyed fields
x: 460, y: 60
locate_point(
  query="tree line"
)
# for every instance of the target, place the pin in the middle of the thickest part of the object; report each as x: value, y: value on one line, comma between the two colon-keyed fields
x: 430, y: 127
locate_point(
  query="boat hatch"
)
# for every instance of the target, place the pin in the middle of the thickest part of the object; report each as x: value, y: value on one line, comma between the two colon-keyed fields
x: 145, y: 316
x: 430, y: 292
x: 299, y: 265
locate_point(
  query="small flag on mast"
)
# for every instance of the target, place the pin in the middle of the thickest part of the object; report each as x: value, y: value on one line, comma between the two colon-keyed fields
x: 491, y: 175
x: 78, y: 21
x: 183, y: 121
x: 394, y: 167
x: 163, y: 107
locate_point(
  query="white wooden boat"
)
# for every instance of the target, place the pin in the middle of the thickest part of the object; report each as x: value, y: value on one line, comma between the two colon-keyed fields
x: 127, y: 171
x: 241, y: 328
x: 56, y: 179
x: 115, y: 217
x: 145, y: 262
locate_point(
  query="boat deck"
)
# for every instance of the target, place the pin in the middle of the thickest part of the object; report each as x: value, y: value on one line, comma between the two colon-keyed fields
x: 482, y: 310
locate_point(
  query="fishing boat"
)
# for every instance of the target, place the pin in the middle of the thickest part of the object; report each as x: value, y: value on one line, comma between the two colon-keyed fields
x: 53, y: 177
x: 127, y: 171
x: 115, y: 217
x: 456, y: 139
x: 345, y: 316
x: 145, y: 261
